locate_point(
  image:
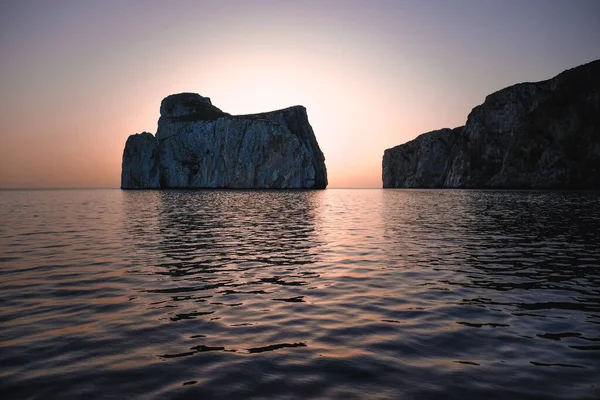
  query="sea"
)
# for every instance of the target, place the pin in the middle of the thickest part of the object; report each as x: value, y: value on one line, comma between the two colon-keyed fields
x: 333, y: 294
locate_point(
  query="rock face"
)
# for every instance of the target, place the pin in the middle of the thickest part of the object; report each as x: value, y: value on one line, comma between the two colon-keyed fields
x: 199, y: 146
x: 140, y: 162
x: 543, y: 135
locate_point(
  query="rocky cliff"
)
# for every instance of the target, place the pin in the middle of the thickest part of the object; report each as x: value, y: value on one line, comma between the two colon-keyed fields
x: 539, y: 135
x: 199, y: 146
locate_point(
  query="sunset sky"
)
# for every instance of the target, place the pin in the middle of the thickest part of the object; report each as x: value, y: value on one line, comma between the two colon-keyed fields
x: 78, y: 77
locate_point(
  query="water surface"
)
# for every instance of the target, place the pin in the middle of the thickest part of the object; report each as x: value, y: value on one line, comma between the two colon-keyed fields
x: 333, y: 294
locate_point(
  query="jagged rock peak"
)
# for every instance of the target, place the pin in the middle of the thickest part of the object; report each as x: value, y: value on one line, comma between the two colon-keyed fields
x: 189, y: 106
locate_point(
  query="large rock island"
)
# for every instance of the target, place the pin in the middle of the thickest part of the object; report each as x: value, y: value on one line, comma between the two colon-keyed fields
x: 543, y: 135
x: 199, y: 146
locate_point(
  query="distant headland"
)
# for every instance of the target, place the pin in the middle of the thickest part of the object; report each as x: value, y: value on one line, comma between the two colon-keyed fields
x: 543, y: 135
x: 199, y: 146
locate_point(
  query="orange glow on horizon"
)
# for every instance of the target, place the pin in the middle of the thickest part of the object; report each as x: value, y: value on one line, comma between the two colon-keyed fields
x: 370, y: 75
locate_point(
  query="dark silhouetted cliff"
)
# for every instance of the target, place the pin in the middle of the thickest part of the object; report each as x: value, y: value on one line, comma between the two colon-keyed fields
x: 543, y: 135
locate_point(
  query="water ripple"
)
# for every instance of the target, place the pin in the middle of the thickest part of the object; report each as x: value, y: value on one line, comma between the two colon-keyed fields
x: 331, y: 294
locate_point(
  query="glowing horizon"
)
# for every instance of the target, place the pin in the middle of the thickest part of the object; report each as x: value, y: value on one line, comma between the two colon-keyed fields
x: 78, y: 78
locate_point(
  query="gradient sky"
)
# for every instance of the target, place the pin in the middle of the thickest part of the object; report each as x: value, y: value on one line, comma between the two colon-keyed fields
x: 78, y: 77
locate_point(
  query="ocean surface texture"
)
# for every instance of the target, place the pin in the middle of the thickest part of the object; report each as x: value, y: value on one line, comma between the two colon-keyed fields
x: 412, y: 294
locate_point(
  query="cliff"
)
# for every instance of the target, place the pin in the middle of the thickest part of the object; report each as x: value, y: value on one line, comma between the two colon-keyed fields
x: 543, y: 135
x: 199, y: 146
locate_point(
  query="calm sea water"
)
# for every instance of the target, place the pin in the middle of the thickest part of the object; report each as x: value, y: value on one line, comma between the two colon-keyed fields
x: 295, y: 294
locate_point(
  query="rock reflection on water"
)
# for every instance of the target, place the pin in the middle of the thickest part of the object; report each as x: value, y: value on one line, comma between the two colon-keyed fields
x: 228, y: 259
x: 512, y: 269
x: 335, y: 294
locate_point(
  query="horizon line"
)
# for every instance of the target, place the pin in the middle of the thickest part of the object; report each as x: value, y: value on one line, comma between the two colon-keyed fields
x: 109, y: 187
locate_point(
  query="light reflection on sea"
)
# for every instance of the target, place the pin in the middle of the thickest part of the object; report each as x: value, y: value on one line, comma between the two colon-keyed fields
x: 335, y: 294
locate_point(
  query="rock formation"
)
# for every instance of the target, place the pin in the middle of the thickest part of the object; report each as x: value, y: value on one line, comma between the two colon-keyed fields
x: 199, y: 146
x: 543, y: 135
